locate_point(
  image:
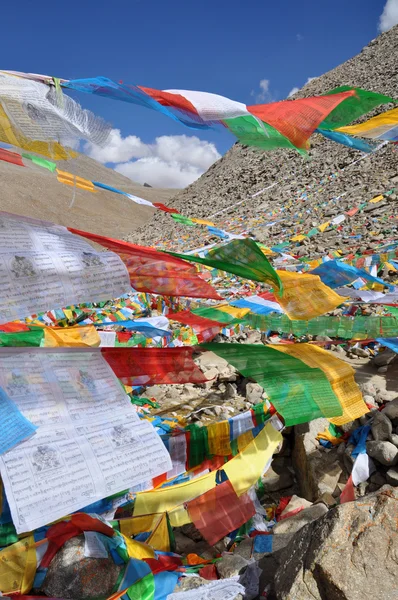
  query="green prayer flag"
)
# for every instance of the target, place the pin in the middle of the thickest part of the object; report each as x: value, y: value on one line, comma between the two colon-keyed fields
x: 198, y: 445
x: 8, y: 535
x: 214, y: 314
x: 143, y: 589
x: 22, y: 338
x: 335, y: 327
x: 299, y: 393
x: 251, y: 131
x: 241, y: 257
x: 41, y: 162
x: 353, y: 107
x: 183, y: 220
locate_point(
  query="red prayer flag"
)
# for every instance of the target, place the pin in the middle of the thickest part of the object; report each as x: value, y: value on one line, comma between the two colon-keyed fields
x: 11, y: 157
x: 298, y: 119
x: 156, y: 272
x: 220, y: 511
x: 352, y: 211
x: 167, y: 209
x: 206, y: 329
x: 148, y: 366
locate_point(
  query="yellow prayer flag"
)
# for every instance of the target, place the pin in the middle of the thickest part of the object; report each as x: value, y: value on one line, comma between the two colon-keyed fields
x: 305, y: 296
x: 247, y: 467
x: 219, y: 438
x: 324, y: 226
x: 18, y: 567
x: 203, y: 222
x: 71, y: 336
x: 375, y: 127
x: 131, y: 526
x: 11, y: 135
x: 376, y: 199
x: 298, y: 238
x: 237, y: 313
x: 137, y: 549
x: 244, y: 440
x: 74, y: 180
x: 160, y: 538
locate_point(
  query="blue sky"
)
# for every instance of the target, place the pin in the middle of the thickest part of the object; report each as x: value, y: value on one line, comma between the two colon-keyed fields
x: 222, y: 46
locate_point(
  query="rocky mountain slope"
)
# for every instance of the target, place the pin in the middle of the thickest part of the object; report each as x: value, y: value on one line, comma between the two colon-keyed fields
x: 312, y: 182
x: 35, y: 192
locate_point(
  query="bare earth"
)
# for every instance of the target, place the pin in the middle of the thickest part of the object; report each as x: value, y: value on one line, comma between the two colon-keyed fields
x: 35, y: 192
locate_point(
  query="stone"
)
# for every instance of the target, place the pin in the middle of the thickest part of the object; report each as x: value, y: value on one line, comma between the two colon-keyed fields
x: 293, y: 524
x: 394, y: 439
x: 350, y: 553
x: 189, y: 583
x: 384, y: 452
x: 254, y: 392
x: 230, y: 391
x: 254, y: 337
x: 381, y: 427
x: 317, y: 472
x: 230, y: 565
x: 273, y: 481
x: 384, y: 358
x: 384, y: 395
x: 72, y: 575
x: 391, y: 409
x: 392, y: 476
x: 378, y: 478
x: 296, y: 502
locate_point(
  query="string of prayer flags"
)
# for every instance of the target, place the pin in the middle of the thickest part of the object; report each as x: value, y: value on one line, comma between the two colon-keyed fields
x: 339, y: 374
x: 11, y: 157
x: 355, y: 106
x: 241, y: 257
x: 349, y: 328
x: 298, y: 392
x: 75, y: 181
x: 132, y: 197
x: 156, y: 272
x: 382, y: 127
x: 243, y: 471
x: 285, y: 124
x: 335, y: 273
x: 149, y: 366
x: 305, y: 296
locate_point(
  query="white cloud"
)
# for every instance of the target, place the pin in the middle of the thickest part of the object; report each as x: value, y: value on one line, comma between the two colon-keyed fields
x: 160, y: 173
x: 389, y: 16
x: 264, y: 95
x: 171, y: 161
x: 296, y: 89
x: 299, y: 37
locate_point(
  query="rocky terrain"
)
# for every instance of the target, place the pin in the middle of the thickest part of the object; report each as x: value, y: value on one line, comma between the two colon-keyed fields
x: 311, y: 191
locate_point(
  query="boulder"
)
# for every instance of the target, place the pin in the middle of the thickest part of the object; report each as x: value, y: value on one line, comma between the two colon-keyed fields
x: 295, y: 523
x: 391, y: 410
x: 317, y: 472
x: 71, y: 575
x: 381, y: 427
x: 231, y: 565
x: 384, y: 452
x: 392, y: 476
x: 348, y: 554
x: 254, y: 392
